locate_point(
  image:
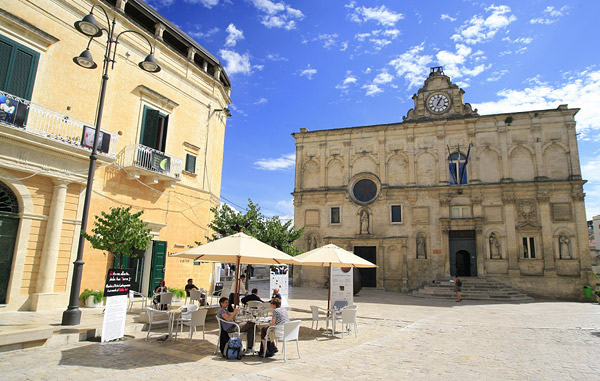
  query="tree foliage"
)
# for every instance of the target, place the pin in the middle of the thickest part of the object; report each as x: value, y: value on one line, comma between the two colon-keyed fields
x: 120, y: 233
x: 271, y: 231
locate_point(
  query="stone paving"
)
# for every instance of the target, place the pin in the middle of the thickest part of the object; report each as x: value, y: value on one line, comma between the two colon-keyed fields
x: 400, y: 337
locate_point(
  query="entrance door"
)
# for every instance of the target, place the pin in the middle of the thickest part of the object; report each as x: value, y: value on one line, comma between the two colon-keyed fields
x: 136, y: 266
x: 463, y: 256
x: 157, y: 271
x: 368, y: 276
x: 8, y: 236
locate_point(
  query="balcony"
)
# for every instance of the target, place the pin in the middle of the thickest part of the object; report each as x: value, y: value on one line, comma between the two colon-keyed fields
x: 34, y: 123
x: 149, y: 165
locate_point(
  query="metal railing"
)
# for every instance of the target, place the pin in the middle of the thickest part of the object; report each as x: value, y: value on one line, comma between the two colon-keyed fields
x: 147, y: 158
x: 42, y: 121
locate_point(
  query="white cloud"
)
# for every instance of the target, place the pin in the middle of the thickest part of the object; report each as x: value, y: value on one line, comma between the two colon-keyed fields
x: 372, y: 90
x: 286, y: 206
x: 203, y: 35
x: 261, y: 101
x: 278, y: 15
x: 479, y: 29
x: 308, y: 72
x: 381, y: 15
x: 236, y: 63
x: 274, y: 164
x: 412, y: 65
x: 349, y: 80
x: 495, y: 76
x: 233, y: 35
x: 207, y: 3
x: 329, y: 40
x: 276, y: 57
x: 550, y: 15
x: 344, y: 46
x: 237, y: 110
x: 383, y: 78
x: 590, y: 171
x: 520, y: 40
x: 447, y: 17
x: 379, y: 38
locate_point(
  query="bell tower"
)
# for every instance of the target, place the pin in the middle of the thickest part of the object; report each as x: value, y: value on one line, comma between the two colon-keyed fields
x: 439, y: 98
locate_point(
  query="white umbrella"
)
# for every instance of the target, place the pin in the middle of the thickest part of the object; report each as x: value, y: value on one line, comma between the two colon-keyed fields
x: 237, y: 248
x: 332, y: 256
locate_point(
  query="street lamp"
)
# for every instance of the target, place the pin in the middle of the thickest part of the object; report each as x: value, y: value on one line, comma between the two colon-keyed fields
x: 89, y: 27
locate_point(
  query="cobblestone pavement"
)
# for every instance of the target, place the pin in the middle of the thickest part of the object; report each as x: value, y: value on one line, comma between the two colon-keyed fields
x: 400, y: 337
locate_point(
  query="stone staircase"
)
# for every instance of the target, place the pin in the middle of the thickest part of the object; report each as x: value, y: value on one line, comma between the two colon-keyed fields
x: 472, y: 288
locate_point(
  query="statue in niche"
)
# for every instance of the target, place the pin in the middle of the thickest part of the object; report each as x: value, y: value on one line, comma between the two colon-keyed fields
x: 421, y: 246
x: 494, y: 247
x: 311, y: 243
x: 364, y: 222
x: 563, y: 242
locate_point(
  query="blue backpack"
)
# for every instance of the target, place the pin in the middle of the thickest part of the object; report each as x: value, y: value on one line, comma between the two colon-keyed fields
x: 233, y: 349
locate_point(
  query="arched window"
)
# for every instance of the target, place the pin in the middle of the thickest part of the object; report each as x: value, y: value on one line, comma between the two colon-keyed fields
x: 8, y: 200
x: 458, y: 169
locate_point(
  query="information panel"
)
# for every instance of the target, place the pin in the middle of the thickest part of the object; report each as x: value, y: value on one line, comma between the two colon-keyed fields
x: 280, y: 279
x: 115, y: 313
x: 342, y: 287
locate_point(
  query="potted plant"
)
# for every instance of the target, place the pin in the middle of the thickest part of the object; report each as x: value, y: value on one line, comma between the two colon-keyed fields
x: 178, y: 294
x: 92, y: 299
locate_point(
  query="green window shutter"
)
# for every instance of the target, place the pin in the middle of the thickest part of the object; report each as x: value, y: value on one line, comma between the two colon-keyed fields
x: 19, y: 82
x: 190, y: 163
x: 18, y: 65
x: 149, y: 128
x: 5, y: 51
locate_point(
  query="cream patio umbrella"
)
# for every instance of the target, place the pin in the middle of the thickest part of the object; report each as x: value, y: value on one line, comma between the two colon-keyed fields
x: 238, y: 248
x: 332, y: 256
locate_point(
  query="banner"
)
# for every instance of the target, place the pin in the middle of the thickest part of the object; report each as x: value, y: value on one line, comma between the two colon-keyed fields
x: 342, y: 287
x: 280, y: 279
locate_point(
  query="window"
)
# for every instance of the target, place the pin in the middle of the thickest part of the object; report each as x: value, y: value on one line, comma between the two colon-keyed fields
x: 190, y: 163
x: 18, y: 66
x: 154, y: 129
x: 458, y: 169
x: 335, y: 215
x: 364, y: 190
x: 396, y: 213
x: 460, y: 212
x: 528, y: 248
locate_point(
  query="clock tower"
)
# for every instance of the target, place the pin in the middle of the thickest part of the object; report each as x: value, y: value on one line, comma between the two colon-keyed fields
x: 439, y: 98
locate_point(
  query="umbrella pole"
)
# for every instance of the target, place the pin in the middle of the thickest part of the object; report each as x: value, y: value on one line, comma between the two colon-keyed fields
x: 329, y: 290
x: 236, y: 297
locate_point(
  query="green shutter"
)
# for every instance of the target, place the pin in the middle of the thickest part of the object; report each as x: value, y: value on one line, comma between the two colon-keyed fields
x: 18, y: 65
x: 149, y: 128
x: 5, y: 51
x: 190, y: 163
x: 19, y: 81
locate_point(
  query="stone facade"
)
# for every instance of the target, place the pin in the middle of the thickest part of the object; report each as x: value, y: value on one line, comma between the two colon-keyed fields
x: 43, y: 165
x: 395, y: 195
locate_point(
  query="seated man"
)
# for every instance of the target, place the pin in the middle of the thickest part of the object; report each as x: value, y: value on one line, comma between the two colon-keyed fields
x: 190, y: 286
x: 276, y: 294
x: 247, y: 327
x: 253, y: 296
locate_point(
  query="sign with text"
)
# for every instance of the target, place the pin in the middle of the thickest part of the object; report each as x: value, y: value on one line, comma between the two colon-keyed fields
x: 118, y: 282
x: 160, y: 162
x: 280, y: 279
x: 115, y: 313
x: 342, y: 287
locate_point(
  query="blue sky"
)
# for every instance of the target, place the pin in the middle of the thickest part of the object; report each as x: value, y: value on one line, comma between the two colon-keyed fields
x: 331, y: 64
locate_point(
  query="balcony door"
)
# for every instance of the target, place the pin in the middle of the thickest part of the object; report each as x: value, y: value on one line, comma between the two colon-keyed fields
x: 18, y: 65
x: 154, y: 129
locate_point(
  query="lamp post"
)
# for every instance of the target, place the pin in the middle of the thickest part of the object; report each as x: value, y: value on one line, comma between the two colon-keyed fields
x: 89, y: 27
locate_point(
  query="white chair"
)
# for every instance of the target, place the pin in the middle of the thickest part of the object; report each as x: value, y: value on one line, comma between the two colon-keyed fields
x: 196, y: 295
x: 348, y: 316
x: 165, y: 298
x: 264, y: 309
x: 316, y: 317
x: 254, y: 305
x: 217, y: 291
x: 137, y: 297
x: 186, y: 315
x: 289, y: 333
x: 237, y: 332
x: 156, y: 317
x: 197, y: 318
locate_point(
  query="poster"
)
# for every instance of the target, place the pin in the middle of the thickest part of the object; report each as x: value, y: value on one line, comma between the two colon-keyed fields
x: 87, y: 139
x: 115, y: 313
x: 342, y: 287
x: 12, y: 110
x: 280, y: 279
x: 118, y: 282
x: 160, y: 162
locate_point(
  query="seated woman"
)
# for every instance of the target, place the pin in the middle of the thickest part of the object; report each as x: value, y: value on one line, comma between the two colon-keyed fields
x: 159, y: 290
x: 280, y: 316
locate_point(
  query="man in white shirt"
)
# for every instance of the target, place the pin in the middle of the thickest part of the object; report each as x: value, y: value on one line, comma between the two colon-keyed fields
x: 242, y: 291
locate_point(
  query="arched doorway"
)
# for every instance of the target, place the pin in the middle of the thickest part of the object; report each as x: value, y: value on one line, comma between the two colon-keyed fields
x: 463, y: 253
x: 463, y: 263
x: 9, y: 225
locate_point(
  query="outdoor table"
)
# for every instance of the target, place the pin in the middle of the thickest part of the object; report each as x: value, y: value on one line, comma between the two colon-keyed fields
x: 254, y: 319
x: 173, y: 312
x: 331, y: 314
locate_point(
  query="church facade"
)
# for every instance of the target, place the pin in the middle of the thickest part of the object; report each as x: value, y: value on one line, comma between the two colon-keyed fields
x: 448, y: 191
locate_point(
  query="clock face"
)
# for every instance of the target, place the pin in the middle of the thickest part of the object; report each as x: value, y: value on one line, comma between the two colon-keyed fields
x: 438, y: 103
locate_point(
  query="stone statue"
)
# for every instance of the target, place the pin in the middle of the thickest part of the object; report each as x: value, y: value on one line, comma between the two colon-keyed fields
x: 494, y: 247
x: 364, y: 222
x: 563, y: 242
x: 311, y: 243
x: 421, y: 246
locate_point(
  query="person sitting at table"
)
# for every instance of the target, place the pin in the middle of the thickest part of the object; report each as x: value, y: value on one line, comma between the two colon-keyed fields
x: 280, y: 316
x: 190, y: 286
x: 242, y: 291
x: 247, y: 327
x: 253, y: 296
x: 276, y: 294
x: 162, y: 288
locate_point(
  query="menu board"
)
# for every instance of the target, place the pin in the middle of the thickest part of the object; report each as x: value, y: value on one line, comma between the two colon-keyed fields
x: 342, y: 287
x: 115, y: 313
x: 118, y: 282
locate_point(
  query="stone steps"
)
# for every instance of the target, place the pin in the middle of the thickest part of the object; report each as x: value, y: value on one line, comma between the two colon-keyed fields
x: 472, y: 288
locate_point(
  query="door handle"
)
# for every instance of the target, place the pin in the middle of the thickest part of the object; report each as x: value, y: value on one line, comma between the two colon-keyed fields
x: 163, y: 270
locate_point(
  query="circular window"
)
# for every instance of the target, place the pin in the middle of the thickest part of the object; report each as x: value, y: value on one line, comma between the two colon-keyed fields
x: 365, y: 190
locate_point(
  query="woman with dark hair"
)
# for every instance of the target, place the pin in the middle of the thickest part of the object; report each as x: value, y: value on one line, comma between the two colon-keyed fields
x: 162, y: 288
x: 280, y: 316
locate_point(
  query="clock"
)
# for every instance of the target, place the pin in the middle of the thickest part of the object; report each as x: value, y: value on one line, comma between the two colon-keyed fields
x: 438, y: 103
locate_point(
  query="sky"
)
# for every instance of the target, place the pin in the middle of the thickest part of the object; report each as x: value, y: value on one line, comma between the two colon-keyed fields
x: 332, y: 64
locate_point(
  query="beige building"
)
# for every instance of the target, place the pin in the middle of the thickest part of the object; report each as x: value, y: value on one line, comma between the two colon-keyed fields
x: 449, y: 191
x: 161, y: 150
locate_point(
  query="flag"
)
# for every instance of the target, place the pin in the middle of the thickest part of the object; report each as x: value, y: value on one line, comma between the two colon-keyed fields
x: 451, y: 166
x: 462, y: 173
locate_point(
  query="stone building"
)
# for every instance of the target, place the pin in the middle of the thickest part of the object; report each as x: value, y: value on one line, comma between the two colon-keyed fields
x: 161, y: 150
x: 448, y: 191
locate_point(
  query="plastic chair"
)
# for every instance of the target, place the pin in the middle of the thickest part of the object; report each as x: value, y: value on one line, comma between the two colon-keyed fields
x: 348, y: 316
x: 316, y: 317
x: 217, y: 291
x: 289, y: 333
x: 197, y: 317
x: 152, y: 313
x: 254, y: 305
x: 165, y: 298
x: 136, y: 297
x: 237, y: 332
x: 264, y: 308
x: 196, y: 295
x: 186, y: 314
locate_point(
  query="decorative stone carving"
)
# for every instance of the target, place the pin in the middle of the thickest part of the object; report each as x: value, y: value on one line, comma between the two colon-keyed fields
x: 543, y: 196
x: 526, y: 211
x: 508, y: 198
x: 563, y: 245
x: 578, y: 196
x: 364, y: 222
x: 494, y: 247
x: 421, y: 246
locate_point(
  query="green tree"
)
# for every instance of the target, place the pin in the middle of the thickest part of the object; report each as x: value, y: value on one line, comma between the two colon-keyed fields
x: 120, y: 233
x: 271, y: 231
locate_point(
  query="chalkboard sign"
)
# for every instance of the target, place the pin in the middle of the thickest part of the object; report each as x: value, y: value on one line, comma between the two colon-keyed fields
x: 118, y: 282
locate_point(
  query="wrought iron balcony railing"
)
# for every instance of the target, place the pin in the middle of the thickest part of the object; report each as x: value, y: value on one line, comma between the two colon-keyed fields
x: 154, y: 165
x: 42, y: 121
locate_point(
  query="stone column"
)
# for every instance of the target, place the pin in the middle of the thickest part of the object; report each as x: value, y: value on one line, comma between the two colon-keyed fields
x: 412, y: 178
x: 543, y: 198
x: 323, y: 165
x: 539, y: 157
x: 573, y: 152
x: 512, y: 244
x: 348, y: 162
x: 504, y: 149
x: 443, y: 158
x: 47, y: 271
